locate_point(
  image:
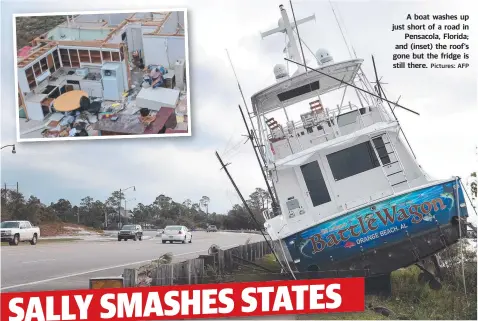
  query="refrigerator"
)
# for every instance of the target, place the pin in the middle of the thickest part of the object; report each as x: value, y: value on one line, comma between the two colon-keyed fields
x: 113, y: 81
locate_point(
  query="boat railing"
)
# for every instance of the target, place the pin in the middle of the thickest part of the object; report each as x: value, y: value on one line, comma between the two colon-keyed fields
x: 289, y: 130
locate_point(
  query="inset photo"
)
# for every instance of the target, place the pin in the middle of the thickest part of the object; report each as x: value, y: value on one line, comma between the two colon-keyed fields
x: 102, y: 75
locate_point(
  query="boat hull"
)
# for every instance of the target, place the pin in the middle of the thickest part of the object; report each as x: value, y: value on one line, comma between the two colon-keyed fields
x: 383, y: 236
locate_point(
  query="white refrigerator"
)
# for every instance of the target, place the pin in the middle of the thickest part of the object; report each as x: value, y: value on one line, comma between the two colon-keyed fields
x: 113, y: 82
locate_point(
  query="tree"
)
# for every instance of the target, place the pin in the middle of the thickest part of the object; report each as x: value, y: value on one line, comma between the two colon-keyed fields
x: 204, y: 202
x: 63, y: 209
x: 163, y: 211
x: 187, y: 203
x: 472, y: 186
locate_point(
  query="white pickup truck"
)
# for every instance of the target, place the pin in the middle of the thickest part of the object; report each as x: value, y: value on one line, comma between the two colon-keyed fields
x: 15, y: 232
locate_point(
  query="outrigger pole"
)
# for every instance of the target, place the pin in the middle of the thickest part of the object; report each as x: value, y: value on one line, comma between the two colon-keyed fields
x: 251, y: 136
x: 245, y: 104
x: 381, y: 91
x: 353, y: 86
x: 255, y: 143
x: 223, y: 166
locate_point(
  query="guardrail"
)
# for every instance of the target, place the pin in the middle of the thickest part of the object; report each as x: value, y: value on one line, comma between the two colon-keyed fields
x: 241, y: 231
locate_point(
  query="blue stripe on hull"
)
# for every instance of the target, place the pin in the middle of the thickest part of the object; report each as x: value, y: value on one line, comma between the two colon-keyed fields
x: 373, y: 227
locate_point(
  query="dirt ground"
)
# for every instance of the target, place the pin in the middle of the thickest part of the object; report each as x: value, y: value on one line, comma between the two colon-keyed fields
x: 28, y: 28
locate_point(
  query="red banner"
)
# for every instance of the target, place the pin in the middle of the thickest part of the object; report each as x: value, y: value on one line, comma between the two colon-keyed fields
x: 188, y: 301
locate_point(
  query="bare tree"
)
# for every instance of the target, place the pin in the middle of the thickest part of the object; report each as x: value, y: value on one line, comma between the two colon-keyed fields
x: 204, y: 201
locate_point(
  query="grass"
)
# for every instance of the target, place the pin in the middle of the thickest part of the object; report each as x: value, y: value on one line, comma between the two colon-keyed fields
x: 48, y: 241
x: 409, y: 300
x: 29, y: 28
x: 250, y: 273
x: 412, y: 301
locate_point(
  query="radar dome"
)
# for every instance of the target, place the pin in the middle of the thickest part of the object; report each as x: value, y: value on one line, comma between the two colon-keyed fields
x: 280, y: 23
x: 280, y: 71
x: 323, y: 56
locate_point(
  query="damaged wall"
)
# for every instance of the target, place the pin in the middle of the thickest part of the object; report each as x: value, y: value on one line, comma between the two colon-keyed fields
x: 62, y: 33
x: 171, y: 25
x: 163, y: 50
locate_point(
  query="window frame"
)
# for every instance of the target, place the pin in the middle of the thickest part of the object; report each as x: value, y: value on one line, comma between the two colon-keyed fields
x: 373, y: 160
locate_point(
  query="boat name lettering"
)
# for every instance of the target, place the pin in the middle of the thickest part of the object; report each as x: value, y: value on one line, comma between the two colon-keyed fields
x: 371, y: 221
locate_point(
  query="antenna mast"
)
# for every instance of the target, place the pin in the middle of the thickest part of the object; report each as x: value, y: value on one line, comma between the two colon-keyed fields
x: 286, y: 27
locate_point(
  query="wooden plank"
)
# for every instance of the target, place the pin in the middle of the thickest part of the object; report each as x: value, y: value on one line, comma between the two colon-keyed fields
x: 229, y: 260
x: 163, y: 275
x: 130, y: 277
x: 197, y: 270
x: 220, y: 259
x: 176, y: 273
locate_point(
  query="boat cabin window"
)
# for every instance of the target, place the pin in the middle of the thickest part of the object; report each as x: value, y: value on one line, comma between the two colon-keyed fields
x: 352, y: 161
x: 381, y: 150
x: 314, y: 180
x: 347, y: 118
x: 299, y: 91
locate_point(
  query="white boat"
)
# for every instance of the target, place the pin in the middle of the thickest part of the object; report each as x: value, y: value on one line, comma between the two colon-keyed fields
x: 352, y: 198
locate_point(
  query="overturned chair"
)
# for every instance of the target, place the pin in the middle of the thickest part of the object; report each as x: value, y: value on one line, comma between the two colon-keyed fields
x: 91, y: 107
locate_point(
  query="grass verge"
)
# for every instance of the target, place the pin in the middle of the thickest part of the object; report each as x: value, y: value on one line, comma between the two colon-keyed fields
x: 409, y: 300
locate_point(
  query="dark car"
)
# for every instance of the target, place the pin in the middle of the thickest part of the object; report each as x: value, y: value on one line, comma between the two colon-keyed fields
x: 133, y: 232
x: 211, y: 228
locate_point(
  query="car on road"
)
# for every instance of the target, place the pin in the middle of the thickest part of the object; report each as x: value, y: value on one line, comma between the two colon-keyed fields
x: 130, y: 232
x: 15, y: 232
x: 211, y: 228
x: 176, y: 233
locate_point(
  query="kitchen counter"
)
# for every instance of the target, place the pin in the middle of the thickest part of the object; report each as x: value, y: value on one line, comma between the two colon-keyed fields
x: 35, y: 98
x: 61, y: 76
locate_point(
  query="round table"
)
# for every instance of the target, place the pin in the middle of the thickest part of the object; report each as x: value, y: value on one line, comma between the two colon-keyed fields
x: 69, y: 101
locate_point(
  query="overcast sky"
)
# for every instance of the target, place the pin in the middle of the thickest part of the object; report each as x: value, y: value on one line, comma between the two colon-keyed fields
x: 444, y: 137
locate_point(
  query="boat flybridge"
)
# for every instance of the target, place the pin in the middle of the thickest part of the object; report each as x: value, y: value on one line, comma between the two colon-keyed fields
x: 352, y: 197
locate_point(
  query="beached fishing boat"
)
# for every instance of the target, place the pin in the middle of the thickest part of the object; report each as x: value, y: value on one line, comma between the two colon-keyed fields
x: 350, y: 196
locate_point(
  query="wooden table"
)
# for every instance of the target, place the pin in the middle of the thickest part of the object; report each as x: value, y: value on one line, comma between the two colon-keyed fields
x: 69, y: 101
x: 131, y: 125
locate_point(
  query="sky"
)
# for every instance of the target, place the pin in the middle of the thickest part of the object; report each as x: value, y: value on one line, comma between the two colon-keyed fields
x: 444, y: 137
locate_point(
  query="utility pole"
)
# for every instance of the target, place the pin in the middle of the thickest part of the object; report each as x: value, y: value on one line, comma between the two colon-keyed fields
x: 119, y: 203
x: 119, y: 210
x: 224, y: 167
x: 78, y: 214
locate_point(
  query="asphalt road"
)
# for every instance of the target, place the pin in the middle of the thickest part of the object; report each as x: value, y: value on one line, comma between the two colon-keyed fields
x: 61, y: 266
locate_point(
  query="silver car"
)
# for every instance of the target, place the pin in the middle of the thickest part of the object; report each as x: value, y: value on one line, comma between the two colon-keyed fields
x: 176, y: 233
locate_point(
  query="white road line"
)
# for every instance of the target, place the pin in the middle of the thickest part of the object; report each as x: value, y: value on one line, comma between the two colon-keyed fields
x: 37, y: 261
x: 95, y: 270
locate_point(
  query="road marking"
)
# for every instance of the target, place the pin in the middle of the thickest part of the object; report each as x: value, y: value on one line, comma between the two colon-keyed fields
x: 37, y: 261
x: 95, y: 270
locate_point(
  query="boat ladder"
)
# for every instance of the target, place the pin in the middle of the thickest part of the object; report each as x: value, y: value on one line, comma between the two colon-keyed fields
x: 389, y: 161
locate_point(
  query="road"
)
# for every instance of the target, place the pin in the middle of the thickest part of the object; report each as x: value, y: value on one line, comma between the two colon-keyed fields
x: 70, y: 265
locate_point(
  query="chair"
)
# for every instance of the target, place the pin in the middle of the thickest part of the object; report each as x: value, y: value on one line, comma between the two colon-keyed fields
x: 84, y: 103
x: 87, y: 106
x: 95, y: 108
